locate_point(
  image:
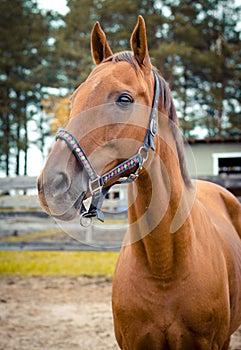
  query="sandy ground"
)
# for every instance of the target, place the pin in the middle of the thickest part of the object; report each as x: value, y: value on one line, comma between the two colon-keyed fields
x: 59, y: 313
x: 55, y: 313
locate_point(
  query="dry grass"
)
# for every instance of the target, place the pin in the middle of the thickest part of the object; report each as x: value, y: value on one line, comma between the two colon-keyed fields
x: 58, y: 263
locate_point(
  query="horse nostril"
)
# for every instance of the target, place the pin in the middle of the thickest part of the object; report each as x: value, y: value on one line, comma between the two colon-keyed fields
x: 60, y: 184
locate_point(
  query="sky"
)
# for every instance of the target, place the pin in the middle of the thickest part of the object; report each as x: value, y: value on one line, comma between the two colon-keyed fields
x: 56, y: 5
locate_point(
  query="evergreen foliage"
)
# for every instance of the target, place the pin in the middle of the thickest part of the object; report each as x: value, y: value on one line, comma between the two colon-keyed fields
x: 201, y: 61
x: 24, y: 61
x: 196, y: 46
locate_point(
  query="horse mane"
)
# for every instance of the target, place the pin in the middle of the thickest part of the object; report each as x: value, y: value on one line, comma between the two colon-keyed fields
x: 167, y: 105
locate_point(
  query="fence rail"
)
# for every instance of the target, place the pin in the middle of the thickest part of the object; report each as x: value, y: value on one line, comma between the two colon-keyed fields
x: 53, y: 246
x: 14, y: 193
x: 11, y: 196
x: 18, y: 183
x: 22, y: 216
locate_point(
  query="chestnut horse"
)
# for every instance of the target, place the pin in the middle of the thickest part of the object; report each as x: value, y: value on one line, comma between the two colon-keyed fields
x: 177, y: 283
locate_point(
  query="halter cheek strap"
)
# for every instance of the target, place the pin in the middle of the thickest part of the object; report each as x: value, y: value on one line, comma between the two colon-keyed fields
x: 96, y: 182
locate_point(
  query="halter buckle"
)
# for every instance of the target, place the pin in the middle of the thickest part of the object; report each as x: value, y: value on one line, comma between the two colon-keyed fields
x: 143, y: 152
x: 95, y: 185
x: 130, y: 178
x: 134, y: 176
x: 153, y: 127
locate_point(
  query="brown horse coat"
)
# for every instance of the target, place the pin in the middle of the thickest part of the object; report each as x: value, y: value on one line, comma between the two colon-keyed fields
x: 177, y: 283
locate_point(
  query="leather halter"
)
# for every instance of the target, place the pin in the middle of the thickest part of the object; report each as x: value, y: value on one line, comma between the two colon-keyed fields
x: 97, y: 182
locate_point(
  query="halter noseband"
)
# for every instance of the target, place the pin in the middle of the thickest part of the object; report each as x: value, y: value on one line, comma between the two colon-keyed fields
x: 97, y: 182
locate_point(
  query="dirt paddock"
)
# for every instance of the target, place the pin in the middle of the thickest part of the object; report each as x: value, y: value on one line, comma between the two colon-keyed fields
x: 59, y: 313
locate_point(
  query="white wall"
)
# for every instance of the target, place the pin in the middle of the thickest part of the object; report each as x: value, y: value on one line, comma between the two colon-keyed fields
x: 202, y: 153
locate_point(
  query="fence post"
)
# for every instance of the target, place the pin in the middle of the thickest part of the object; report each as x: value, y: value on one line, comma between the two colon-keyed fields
x: 88, y: 234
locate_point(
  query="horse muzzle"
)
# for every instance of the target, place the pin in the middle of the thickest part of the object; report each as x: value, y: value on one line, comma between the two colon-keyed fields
x: 60, y: 195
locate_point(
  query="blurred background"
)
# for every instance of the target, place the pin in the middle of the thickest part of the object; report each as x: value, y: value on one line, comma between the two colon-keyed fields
x: 45, y: 55
x: 56, y: 290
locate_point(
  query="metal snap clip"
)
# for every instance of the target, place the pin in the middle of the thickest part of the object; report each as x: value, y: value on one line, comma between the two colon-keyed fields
x: 85, y: 220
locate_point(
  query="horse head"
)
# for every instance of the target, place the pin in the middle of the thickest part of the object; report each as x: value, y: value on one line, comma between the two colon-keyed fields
x: 120, y: 92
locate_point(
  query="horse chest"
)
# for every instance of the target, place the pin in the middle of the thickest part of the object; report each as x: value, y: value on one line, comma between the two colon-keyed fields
x: 154, y: 315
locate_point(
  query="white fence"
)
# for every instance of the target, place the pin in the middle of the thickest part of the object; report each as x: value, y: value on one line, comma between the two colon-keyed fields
x: 21, y: 215
x: 21, y: 193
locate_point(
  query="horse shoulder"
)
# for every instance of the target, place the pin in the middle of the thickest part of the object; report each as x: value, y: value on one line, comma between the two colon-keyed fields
x: 224, y: 214
x: 220, y: 204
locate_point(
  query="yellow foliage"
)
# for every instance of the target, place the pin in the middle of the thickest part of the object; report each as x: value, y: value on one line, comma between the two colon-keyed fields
x: 58, y: 108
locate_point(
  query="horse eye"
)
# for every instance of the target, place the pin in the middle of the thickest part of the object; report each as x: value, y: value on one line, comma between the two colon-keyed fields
x: 124, y: 100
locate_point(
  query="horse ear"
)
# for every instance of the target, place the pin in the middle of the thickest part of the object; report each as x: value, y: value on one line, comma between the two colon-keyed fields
x: 139, y: 44
x: 99, y: 46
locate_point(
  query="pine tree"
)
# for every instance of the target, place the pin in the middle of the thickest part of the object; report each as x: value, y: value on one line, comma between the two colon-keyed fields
x: 73, y: 43
x: 195, y: 44
x: 201, y: 55
x: 224, y: 73
x: 24, y: 51
x: 118, y: 19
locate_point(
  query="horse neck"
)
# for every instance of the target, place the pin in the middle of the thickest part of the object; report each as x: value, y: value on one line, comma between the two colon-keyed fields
x: 159, y: 220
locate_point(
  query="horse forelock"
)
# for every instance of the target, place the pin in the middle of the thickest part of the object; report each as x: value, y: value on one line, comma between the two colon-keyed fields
x: 124, y: 56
